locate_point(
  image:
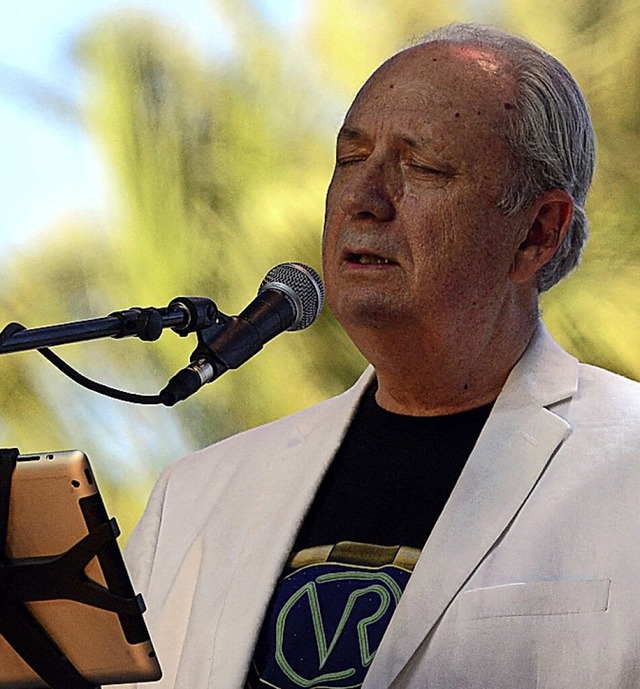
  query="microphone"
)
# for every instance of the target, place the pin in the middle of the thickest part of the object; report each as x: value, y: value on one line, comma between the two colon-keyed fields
x: 290, y: 297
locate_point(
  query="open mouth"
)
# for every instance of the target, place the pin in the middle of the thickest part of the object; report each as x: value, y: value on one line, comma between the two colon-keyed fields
x: 369, y: 259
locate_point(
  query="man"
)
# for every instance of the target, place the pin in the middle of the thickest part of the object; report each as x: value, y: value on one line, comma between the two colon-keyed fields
x: 466, y: 515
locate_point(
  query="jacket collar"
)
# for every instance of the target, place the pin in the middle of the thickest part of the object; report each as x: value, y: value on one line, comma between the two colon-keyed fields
x: 512, y: 452
x: 290, y: 482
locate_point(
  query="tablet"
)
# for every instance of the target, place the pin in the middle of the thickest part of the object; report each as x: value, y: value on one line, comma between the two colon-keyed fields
x: 54, y: 504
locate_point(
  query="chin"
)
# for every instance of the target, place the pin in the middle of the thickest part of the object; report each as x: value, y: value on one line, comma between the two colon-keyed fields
x: 370, y: 313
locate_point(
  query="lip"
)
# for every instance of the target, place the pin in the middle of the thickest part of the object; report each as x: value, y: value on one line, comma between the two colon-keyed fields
x: 367, y: 258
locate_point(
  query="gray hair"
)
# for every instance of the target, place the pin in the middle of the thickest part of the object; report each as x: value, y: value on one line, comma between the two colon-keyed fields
x: 551, y: 136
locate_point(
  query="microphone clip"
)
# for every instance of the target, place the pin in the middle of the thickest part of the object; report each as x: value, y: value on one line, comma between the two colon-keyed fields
x: 200, y: 313
x: 204, y: 366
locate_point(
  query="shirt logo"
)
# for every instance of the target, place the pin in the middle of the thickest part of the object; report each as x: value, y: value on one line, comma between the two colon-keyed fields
x: 325, y: 624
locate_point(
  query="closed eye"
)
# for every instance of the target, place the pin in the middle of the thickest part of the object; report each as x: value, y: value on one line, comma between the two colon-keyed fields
x: 341, y: 162
x: 427, y: 169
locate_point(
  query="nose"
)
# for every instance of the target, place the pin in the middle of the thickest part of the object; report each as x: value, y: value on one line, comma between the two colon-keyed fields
x: 369, y: 192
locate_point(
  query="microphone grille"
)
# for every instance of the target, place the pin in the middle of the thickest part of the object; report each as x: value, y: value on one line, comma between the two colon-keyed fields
x: 302, y: 285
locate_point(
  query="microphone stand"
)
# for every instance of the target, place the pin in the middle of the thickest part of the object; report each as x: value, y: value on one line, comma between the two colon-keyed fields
x: 183, y: 314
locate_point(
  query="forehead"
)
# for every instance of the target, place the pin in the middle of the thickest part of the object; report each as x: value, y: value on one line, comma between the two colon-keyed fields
x: 445, y: 92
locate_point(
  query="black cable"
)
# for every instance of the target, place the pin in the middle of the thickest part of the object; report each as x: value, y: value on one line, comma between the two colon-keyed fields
x: 79, y: 378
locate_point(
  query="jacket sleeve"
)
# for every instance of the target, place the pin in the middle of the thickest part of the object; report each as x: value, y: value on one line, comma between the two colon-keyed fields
x: 142, y: 545
x: 141, y: 550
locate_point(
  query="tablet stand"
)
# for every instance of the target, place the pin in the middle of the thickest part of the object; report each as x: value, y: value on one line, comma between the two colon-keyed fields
x: 50, y: 578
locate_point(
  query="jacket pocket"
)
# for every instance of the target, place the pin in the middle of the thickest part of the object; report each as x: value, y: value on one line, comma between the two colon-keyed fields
x: 535, y: 598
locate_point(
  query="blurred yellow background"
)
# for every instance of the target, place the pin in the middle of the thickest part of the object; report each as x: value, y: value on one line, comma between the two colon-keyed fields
x: 218, y: 167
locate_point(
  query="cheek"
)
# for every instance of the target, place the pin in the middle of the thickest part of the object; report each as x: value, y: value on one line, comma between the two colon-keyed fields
x: 331, y: 208
x: 488, y: 260
x: 330, y: 240
x: 438, y: 229
x: 329, y: 237
x: 463, y: 244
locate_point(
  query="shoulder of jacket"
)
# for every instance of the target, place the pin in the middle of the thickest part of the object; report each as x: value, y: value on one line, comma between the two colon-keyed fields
x: 608, y: 397
x: 278, y: 433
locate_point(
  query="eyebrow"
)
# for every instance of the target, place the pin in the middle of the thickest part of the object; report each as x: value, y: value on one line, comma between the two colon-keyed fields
x: 412, y: 143
x: 421, y: 142
x: 350, y: 134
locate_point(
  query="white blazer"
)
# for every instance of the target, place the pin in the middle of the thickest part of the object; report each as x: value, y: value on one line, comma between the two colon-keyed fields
x: 529, y: 580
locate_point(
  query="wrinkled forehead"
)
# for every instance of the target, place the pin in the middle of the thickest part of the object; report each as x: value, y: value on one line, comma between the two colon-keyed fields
x: 462, y: 75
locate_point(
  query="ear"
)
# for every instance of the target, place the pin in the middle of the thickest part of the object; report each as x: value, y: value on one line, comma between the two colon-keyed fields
x: 549, y: 218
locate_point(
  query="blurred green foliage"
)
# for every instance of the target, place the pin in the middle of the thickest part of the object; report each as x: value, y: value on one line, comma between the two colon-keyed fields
x: 219, y: 168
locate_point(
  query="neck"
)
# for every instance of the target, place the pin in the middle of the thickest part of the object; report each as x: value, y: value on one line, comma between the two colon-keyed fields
x: 432, y: 376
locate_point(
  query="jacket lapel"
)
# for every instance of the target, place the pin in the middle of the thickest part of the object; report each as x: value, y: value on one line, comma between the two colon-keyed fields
x: 511, y: 454
x: 290, y: 484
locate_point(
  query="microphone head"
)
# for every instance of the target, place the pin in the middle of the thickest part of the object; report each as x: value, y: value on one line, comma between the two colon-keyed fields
x: 303, y: 288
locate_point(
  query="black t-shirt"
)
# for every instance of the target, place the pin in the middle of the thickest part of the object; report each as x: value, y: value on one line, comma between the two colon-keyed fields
x: 356, y: 549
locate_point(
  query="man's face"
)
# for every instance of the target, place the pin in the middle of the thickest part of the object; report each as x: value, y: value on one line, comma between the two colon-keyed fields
x: 413, y: 235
